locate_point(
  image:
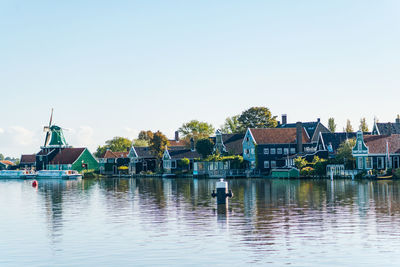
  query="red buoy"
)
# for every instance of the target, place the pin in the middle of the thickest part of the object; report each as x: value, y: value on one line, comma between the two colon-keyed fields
x: 34, y: 183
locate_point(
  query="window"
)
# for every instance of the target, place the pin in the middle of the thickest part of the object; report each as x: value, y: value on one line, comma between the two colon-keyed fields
x: 368, y: 163
x: 360, y: 163
x: 279, y: 151
x: 167, y: 164
x: 292, y: 150
x: 173, y: 164
x: 381, y: 163
x: 246, y: 151
x: 252, y: 151
x: 266, y: 164
x: 359, y: 145
x: 286, y: 151
x: 266, y: 151
x: 273, y: 164
x: 247, y: 139
x: 273, y: 151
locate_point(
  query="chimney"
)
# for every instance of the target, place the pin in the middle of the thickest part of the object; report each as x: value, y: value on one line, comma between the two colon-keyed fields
x: 318, y: 120
x: 299, y: 137
x: 398, y: 119
x: 284, y: 119
x: 176, y: 136
x: 192, y: 144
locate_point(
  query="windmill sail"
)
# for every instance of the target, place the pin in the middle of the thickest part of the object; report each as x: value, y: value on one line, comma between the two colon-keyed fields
x: 47, y: 130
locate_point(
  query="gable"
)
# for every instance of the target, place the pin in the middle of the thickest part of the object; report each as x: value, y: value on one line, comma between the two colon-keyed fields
x: 360, y: 147
x: 166, y: 155
x: 249, y: 138
x: 132, y: 153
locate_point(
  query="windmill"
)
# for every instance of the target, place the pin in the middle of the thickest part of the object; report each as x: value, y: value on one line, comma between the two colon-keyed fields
x: 46, y: 129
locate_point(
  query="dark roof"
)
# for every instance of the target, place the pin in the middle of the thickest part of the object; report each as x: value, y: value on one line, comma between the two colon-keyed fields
x: 43, y: 152
x: 179, y: 143
x: 28, y: 158
x: 277, y: 136
x: 233, y: 143
x: 388, y: 128
x: 377, y: 143
x: 183, y: 153
x: 335, y: 139
x: 67, y: 155
x: 143, y: 152
x: 310, y: 127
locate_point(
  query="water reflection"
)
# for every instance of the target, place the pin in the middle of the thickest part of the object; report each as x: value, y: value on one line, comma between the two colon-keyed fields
x: 275, y: 221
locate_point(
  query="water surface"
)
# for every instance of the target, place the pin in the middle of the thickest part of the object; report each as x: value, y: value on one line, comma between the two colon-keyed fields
x: 175, y: 222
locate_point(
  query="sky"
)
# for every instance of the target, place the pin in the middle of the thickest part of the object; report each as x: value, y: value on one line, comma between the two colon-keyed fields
x: 113, y: 68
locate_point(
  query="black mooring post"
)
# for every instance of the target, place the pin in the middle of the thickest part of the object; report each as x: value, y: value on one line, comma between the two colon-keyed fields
x: 222, y: 192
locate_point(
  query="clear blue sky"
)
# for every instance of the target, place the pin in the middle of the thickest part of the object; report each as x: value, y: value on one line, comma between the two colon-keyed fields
x: 115, y: 67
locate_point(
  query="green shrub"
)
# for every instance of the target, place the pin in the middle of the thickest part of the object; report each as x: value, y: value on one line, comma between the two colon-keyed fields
x: 89, y: 174
x: 307, y: 171
x: 397, y: 173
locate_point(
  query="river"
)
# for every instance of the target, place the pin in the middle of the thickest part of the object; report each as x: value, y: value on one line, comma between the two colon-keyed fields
x: 175, y: 222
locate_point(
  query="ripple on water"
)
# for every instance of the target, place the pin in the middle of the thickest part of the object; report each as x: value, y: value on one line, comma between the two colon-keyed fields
x: 176, y: 222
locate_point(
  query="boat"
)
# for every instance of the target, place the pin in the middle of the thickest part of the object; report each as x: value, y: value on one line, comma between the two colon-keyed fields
x: 384, y: 177
x: 58, y: 174
x: 17, y: 174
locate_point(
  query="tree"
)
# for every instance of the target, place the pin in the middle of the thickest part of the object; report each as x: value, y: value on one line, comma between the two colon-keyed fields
x: 204, y: 147
x: 232, y: 125
x: 344, y: 153
x: 1, y: 156
x: 331, y: 125
x: 196, y: 129
x: 319, y: 165
x: 184, y: 163
x: 145, y: 135
x: 158, y: 144
x: 363, y: 125
x: 117, y: 144
x: 140, y: 142
x: 257, y: 117
x: 349, y: 128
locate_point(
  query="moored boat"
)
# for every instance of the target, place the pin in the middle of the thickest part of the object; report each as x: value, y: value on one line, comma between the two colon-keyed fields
x: 59, y: 174
x: 384, y: 177
x: 17, y: 174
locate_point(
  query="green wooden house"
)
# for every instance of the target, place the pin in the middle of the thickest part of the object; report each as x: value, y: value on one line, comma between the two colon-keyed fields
x: 377, y: 152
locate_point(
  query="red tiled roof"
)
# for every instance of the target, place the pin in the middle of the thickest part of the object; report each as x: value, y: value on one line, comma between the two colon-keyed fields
x: 113, y: 155
x: 173, y: 143
x: 277, y: 135
x: 28, y: 158
x: 7, y: 162
x: 377, y: 143
x: 67, y: 155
